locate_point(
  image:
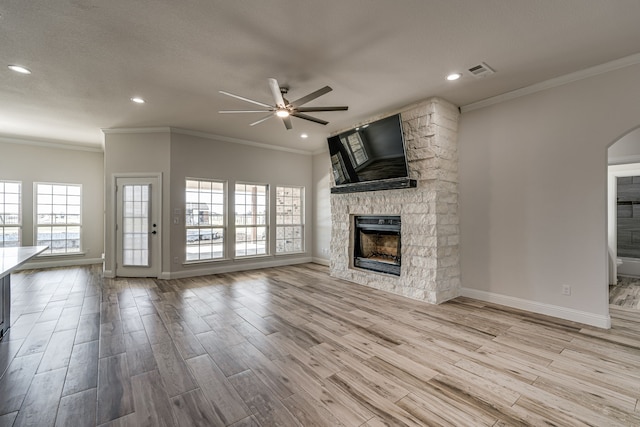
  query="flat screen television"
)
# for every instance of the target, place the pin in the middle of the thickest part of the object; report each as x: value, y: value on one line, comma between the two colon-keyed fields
x: 370, y: 157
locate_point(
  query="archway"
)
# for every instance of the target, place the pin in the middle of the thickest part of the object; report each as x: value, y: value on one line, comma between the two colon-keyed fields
x: 623, y: 213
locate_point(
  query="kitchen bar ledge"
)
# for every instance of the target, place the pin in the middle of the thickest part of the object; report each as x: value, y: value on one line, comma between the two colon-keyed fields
x: 11, y: 259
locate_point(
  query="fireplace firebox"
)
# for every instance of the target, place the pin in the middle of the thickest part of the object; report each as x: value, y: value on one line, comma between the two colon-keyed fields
x: 377, y: 243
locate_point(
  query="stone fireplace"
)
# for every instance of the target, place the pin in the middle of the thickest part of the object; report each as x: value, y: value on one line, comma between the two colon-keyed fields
x: 426, y: 265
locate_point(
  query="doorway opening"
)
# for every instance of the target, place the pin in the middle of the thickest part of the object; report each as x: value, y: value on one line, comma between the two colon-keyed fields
x: 624, y: 221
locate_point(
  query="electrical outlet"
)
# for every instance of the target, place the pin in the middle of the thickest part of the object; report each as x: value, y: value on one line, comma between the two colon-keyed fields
x: 176, y: 220
x: 566, y: 290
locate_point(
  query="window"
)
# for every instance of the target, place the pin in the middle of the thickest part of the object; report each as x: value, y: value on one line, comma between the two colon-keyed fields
x: 251, y: 219
x: 339, y: 169
x: 58, y: 218
x: 289, y: 219
x: 205, y: 219
x: 356, y: 149
x: 10, y: 214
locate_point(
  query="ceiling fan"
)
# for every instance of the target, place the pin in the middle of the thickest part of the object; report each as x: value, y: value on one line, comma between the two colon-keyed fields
x: 283, y: 108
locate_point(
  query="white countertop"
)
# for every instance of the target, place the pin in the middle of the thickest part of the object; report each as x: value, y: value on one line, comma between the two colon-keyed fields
x: 12, y: 258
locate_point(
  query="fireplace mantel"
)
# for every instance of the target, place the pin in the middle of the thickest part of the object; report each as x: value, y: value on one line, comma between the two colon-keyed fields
x: 383, y: 184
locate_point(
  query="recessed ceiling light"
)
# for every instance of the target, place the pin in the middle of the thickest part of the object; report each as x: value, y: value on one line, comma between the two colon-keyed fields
x: 138, y: 100
x: 304, y: 135
x: 19, y: 69
x: 454, y: 76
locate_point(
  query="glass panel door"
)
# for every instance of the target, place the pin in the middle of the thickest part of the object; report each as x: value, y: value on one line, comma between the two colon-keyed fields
x: 135, y: 225
x: 138, y: 247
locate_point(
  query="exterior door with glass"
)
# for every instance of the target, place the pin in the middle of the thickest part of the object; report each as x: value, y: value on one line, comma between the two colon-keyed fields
x: 138, y: 234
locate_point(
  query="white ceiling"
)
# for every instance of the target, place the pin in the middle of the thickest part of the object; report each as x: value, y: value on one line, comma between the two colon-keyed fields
x: 88, y: 58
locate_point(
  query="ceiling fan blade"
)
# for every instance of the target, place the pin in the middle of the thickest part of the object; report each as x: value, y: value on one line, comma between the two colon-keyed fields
x: 310, y: 118
x: 312, y: 109
x: 242, y: 111
x: 262, y: 120
x: 277, y: 95
x: 287, y: 123
x: 311, y: 96
x: 246, y: 99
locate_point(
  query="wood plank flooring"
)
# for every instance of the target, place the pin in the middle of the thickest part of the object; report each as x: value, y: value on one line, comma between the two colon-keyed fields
x: 626, y: 293
x: 291, y: 346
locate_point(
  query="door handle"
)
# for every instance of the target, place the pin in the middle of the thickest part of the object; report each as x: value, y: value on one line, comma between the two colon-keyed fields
x: 154, y: 232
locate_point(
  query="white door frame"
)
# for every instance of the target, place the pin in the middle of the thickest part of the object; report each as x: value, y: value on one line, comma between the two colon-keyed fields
x: 156, y: 199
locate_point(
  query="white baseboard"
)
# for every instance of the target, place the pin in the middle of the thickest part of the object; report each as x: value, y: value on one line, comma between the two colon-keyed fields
x: 592, y: 319
x: 321, y: 261
x: 229, y: 268
x: 630, y: 267
x: 59, y: 262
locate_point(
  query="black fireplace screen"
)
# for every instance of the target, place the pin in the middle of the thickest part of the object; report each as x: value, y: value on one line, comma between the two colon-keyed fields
x: 377, y: 243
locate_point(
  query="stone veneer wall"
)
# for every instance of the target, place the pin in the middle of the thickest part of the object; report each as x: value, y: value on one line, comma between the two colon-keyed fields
x: 429, y: 213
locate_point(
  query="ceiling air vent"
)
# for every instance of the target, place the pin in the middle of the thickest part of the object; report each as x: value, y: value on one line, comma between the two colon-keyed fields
x: 481, y: 70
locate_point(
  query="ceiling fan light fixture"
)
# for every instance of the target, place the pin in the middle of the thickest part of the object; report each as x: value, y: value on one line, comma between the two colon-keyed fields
x: 19, y: 69
x: 282, y: 113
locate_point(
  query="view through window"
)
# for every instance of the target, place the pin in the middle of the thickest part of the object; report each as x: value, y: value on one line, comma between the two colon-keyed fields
x: 135, y: 224
x: 58, y: 217
x: 251, y: 204
x: 205, y: 219
x: 289, y: 219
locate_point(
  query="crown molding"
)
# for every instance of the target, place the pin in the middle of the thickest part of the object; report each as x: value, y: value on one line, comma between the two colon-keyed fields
x: 555, y: 82
x: 238, y: 141
x: 157, y: 129
x: 50, y: 144
x: 205, y: 135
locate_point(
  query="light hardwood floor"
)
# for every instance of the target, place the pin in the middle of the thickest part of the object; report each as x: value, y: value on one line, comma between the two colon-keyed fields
x: 626, y: 293
x: 291, y: 346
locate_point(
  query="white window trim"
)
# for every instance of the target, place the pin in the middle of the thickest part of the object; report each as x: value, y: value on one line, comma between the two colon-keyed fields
x: 46, y: 253
x: 20, y: 212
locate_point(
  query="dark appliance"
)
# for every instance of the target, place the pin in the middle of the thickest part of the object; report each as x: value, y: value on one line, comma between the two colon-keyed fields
x: 370, y: 157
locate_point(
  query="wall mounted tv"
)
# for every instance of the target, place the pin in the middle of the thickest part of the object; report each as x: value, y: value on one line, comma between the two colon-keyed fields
x: 370, y: 157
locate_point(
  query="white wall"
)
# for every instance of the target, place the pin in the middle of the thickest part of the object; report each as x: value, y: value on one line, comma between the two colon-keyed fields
x: 322, y: 211
x: 29, y: 162
x: 199, y: 157
x: 533, y: 186
x: 180, y: 154
x: 132, y: 153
